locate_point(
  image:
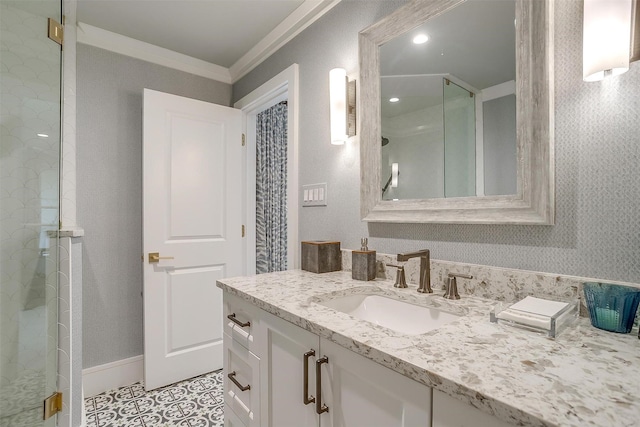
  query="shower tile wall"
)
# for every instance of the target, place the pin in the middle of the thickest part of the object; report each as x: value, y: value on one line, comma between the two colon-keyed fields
x: 30, y: 91
x: 68, y: 163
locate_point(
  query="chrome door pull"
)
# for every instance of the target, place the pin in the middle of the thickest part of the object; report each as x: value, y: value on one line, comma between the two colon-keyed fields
x: 155, y: 257
x: 232, y: 377
x: 320, y: 408
x: 232, y: 317
x: 306, y: 398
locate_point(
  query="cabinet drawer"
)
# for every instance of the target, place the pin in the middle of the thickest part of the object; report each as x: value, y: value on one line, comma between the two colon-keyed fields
x: 241, y: 382
x: 239, y: 320
x: 230, y: 418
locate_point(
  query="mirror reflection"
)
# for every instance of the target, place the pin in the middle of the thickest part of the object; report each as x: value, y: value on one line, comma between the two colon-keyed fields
x: 448, y: 105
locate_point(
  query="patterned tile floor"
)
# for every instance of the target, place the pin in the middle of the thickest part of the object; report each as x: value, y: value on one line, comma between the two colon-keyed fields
x: 197, y: 402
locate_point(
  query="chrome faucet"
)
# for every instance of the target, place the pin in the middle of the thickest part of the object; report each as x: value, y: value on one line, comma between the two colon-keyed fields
x: 425, y: 268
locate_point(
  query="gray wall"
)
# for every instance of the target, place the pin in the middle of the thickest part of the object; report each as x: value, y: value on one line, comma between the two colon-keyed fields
x: 109, y: 155
x: 597, y: 138
x: 499, y: 146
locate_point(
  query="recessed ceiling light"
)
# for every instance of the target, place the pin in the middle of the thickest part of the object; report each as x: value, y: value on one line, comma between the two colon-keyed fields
x: 394, y: 99
x: 421, y: 38
x: 43, y: 135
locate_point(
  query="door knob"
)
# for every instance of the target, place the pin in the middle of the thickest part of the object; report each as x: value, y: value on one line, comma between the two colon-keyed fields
x: 155, y: 257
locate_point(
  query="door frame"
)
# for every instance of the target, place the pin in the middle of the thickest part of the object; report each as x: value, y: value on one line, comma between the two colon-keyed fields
x: 283, y: 86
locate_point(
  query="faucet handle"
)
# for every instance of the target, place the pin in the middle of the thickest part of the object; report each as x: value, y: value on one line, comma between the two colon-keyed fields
x: 451, y: 291
x: 462, y: 276
x: 401, y: 281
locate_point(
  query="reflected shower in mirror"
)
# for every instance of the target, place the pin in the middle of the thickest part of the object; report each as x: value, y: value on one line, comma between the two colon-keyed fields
x: 448, y: 105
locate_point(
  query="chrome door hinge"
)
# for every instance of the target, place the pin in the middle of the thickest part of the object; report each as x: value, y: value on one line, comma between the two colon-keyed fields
x: 52, y: 405
x: 244, y: 140
x: 56, y: 32
x: 243, y: 231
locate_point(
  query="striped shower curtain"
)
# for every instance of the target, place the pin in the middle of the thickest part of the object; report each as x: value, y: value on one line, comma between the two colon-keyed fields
x: 271, y: 189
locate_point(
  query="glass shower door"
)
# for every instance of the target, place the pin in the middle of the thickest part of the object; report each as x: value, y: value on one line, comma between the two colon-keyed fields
x: 29, y: 180
x: 459, y: 113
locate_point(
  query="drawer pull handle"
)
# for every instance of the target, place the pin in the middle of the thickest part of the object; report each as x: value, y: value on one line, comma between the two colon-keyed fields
x: 232, y: 317
x: 232, y: 377
x: 320, y: 408
x: 306, y: 398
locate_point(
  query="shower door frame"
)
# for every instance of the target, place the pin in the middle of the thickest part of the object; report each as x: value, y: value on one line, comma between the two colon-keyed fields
x: 33, y: 76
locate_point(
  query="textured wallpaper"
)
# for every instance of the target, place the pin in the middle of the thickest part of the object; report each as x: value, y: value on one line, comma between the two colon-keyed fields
x: 597, y: 149
x: 109, y: 198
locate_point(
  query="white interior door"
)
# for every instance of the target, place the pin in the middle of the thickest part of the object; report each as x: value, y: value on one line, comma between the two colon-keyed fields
x: 192, y: 215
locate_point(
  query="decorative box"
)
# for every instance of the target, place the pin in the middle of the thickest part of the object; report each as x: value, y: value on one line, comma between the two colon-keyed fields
x: 363, y: 265
x: 321, y: 257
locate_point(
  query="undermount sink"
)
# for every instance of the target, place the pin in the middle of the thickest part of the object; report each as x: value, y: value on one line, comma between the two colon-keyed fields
x: 393, y: 314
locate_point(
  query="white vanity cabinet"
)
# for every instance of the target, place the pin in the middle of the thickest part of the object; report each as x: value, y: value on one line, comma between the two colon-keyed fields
x: 362, y: 393
x: 356, y: 391
x: 282, y: 347
x: 241, y: 365
x: 450, y: 412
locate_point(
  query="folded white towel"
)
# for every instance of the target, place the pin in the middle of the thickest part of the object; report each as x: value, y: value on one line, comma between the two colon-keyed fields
x: 533, y: 312
x: 540, y: 306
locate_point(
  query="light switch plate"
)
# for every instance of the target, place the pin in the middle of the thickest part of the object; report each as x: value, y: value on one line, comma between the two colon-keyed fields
x: 314, y: 194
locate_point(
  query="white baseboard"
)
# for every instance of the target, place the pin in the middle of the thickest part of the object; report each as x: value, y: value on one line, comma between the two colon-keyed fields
x: 109, y: 376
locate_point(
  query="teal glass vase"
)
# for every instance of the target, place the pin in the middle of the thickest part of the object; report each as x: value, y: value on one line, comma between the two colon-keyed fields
x: 611, y: 307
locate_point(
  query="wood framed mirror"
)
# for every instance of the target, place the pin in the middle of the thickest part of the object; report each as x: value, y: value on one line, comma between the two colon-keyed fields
x: 533, y: 201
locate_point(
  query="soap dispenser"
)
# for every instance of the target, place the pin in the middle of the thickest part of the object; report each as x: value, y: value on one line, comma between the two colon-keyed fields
x: 363, y: 262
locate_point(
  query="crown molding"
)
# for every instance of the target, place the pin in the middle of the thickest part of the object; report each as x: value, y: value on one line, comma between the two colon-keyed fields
x: 94, y: 36
x: 306, y: 14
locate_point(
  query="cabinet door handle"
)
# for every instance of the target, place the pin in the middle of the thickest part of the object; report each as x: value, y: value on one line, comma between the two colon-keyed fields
x: 320, y: 408
x: 232, y: 317
x: 306, y: 398
x: 232, y: 377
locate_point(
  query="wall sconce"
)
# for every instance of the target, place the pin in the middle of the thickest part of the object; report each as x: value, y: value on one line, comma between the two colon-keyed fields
x: 606, y: 38
x: 342, y: 100
x: 394, y: 175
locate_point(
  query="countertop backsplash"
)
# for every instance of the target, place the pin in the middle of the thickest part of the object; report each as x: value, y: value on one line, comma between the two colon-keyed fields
x: 496, y: 283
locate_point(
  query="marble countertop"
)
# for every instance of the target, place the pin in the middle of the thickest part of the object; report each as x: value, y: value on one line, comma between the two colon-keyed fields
x: 584, y: 377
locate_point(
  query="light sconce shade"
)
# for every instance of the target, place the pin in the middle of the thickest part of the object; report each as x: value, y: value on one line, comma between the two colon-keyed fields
x: 606, y: 38
x: 342, y: 100
x: 394, y: 175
